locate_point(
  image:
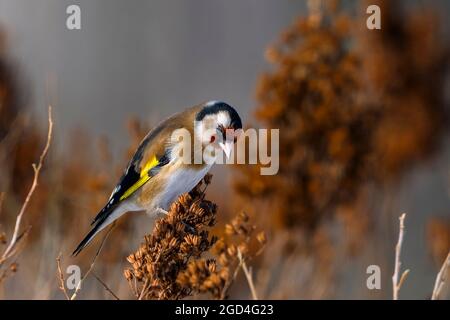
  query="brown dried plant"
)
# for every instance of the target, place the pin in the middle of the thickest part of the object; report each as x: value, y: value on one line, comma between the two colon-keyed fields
x: 15, y: 244
x: 438, y: 238
x: 354, y: 107
x: 170, y: 264
x: 357, y: 109
x: 72, y: 185
x: 311, y: 96
x: 10, y: 104
x: 398, y: 278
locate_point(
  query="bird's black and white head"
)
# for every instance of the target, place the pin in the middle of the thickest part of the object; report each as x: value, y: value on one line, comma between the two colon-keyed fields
x: 218, y: 125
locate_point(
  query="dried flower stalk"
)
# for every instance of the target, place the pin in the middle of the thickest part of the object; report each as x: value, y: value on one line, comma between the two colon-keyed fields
x: 396, y: 283
x: 170, y: 263
x: 441, y: 278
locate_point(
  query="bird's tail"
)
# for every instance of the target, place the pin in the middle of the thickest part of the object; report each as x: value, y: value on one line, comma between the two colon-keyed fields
x: 98, y: 225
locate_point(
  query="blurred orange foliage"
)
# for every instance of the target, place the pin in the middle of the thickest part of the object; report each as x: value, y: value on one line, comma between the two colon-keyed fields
x: 353, y: 107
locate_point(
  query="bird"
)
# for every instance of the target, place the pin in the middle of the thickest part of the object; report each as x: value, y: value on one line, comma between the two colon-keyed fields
x: 158, y: 172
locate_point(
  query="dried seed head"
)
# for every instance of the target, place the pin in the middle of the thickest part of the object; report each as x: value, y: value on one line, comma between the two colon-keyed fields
x: 169, y: 264
x: 229, y: 230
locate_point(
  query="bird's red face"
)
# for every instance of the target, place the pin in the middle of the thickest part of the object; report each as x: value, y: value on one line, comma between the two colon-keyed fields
x: 220, y: 125
x: 224, y: 138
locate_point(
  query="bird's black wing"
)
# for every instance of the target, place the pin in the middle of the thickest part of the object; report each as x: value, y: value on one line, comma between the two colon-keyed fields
x: 129, y: 179
x: 132, y: 176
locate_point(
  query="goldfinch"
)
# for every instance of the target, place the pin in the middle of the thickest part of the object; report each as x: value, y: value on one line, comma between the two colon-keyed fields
x: 158, y: 172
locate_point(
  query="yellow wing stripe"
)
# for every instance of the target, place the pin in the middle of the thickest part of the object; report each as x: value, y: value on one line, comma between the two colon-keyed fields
x: 142, y: 180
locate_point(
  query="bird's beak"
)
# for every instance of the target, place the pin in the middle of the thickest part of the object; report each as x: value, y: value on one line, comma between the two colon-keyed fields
x: 227, y: 147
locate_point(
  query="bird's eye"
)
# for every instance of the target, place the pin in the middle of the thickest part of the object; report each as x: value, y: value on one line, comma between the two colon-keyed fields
x: 213, y: 138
